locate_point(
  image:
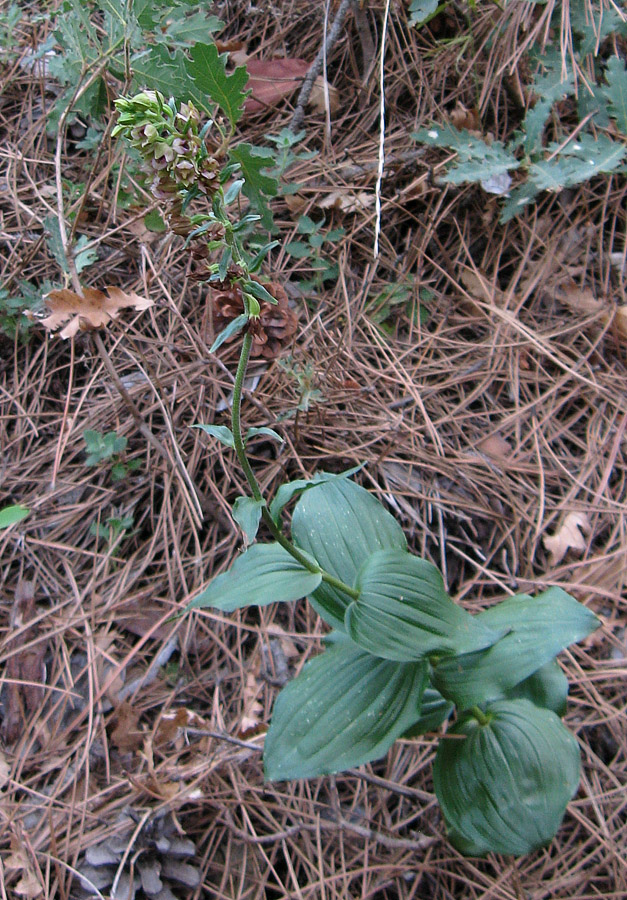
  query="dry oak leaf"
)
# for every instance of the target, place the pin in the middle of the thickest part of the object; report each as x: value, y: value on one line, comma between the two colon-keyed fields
x: 272, y: 79
x: 90, y: 312
x: 318, y: 96
x: 569, y: 536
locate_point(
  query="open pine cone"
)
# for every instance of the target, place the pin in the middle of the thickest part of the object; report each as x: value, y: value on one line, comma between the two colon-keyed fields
x: 272, y: 331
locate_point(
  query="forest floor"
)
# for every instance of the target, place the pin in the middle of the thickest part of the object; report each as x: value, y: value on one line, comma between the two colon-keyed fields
x: 473, y: 368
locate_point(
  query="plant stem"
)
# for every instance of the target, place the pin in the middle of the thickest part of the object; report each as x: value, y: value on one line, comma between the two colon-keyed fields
x: 480, y: 716
x: 240, y: 450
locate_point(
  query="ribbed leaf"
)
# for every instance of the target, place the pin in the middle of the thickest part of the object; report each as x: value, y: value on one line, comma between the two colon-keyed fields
x: 548, y: 687
x: 504, y: 787
x: 265, y: 573
x: 404, y: 613
x: 341, y: 524
x: 434, y: 710
x: 208, y: 70
x: 541, y: 627
x: 344, y: 709
x: 247, y: 514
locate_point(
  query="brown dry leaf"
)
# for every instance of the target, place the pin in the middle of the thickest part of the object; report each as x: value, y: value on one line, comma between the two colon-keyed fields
x: 567, y: 537
x: 620, y: 321
x: 296, y: 203
x: 317, y: 98
x: 127, y: 735
x: 495, y: 446
x: 91, y: 311
x: 29, y: 885
x: 171, y: 724
x: 578, y: 299
x: 481, y: 289
x: 271, y: 80
x: 251, y: 721
x: 462, y: 117
x: 27, y: 665
x: 347, y: 201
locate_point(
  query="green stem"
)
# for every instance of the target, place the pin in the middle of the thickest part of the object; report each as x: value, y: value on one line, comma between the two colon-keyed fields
x: 480, y: 716
x: 240, y: 450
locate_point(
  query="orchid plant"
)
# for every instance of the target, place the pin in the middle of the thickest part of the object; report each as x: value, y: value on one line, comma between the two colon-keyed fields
x: 402, y: 658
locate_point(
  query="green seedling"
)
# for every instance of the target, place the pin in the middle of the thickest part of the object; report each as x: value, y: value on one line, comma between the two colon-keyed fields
x: 112, y: 529
x: 310, y: 249
x: 109, y: 448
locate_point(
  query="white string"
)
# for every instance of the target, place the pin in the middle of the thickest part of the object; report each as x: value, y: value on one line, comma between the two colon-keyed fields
x: 377, y: 224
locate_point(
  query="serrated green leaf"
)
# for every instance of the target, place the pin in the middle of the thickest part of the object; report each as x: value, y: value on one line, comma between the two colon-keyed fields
x: 505, y: 785
x: 265, y: 573
x: 55, y: 243
x: 186, y: 30
x: 247, y: 514
x: 541, y: 627
x: 344, y: 709
x: 221, y: 432
x: 258, y: 186
x: 477, y: 160
x: 298, y: 249
x: 341, y: 524
x: 159, y: 70
x: 84, y: 258
x: 10, y: 515
x: 578, y: 161
x: 268, y: 432
x: 616, y: 92
x: 231, y: 329
x: 208, y: 70
x: 517, y: 200
x: 403, y: 612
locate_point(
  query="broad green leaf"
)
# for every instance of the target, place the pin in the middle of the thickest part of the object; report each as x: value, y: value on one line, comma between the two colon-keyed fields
x: 265, y: 573
x: 505, y: 786
x: 548, y: 687
x: 287, y: 491
x: 221, y: 432
x: 541, y: 627
x: 434, y: 710
x: 208, y: 70
x: 247, y: 514
x: 616, y: 92
x: 341, y: 524
x: 186, y: 30
x: 403, y: 612
x: 268, y: 432
x: 344, y: 709
x: 421, y: 10
x: 231, y: 329
x: 12, y: 514
x: 258, y: 186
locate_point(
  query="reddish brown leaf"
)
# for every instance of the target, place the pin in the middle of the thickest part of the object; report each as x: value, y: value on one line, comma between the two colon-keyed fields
x: 271, y: 80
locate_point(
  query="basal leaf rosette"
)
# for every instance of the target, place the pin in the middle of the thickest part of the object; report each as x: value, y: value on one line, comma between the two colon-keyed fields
x: 503, y: 783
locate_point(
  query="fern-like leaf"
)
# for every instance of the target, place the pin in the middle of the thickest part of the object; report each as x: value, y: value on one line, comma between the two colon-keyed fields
x: 257, y: 186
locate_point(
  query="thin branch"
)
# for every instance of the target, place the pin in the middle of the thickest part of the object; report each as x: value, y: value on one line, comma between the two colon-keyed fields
x: 316, y: 66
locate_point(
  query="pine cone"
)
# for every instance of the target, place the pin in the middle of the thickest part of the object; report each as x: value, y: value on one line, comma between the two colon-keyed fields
x: 274, y: 328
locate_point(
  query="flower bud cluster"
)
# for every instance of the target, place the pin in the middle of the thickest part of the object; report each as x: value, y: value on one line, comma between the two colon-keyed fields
x: 170, y: 142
